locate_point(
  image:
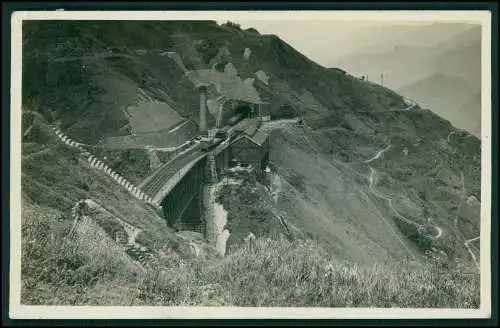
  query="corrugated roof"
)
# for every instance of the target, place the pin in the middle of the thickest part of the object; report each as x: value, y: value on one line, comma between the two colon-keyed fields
x: 251, y: 126
x: 259, y: 137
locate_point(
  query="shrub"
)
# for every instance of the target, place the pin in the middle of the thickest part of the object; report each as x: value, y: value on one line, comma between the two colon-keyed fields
x: 232, y: 25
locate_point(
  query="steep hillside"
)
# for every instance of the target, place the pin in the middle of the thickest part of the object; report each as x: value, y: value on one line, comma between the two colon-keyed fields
x: 370, y: 178
x: 99, y: 82
x: 328, y: 191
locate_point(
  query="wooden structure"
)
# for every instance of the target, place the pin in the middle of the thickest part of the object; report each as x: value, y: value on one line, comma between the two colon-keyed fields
x: 252, y: 150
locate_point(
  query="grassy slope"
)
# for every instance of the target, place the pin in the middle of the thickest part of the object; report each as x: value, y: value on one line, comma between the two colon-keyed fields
x: 330, y: 201
x: 327, y: 191
x: 133, y: 164
x: 91, y: 270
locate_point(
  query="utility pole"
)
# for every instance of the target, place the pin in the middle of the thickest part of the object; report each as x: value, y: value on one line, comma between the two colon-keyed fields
x: 382, y: 79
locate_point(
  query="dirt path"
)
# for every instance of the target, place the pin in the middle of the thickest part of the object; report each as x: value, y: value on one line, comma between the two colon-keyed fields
x: 411, y: 104
x: 132, y: 231
x: 378, y: 154
x: 37, y: 153
x: 439, y: 231
x: 463, y: 197
x: 178, y: 126
x: 279, y: 123
x: 27, y: 130
x: 466, y: 244
x: 377, y: 193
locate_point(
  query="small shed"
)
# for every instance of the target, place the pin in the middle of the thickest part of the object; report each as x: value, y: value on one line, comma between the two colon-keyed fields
x: 252, y: 150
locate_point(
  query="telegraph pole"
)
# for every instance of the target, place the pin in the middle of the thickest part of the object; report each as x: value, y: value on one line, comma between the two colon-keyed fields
x: 382, y: 79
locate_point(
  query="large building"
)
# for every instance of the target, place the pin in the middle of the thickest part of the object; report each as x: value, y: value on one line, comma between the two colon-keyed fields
x: 252, y: 150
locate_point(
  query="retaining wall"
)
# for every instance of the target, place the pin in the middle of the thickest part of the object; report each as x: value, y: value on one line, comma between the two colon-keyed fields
x: 98, y: 164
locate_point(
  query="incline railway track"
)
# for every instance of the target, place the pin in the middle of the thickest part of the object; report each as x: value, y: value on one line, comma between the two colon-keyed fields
x: 156, y: 182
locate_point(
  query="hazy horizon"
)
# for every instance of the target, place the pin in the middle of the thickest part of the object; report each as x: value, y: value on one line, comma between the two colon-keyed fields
x: 313, y: 36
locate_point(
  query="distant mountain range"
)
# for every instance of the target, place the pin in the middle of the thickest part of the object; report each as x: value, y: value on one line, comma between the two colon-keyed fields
x: 452, y: 98
x: 438, y: 65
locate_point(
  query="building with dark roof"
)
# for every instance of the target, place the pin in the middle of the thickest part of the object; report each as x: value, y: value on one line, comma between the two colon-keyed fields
x: 252, y: 150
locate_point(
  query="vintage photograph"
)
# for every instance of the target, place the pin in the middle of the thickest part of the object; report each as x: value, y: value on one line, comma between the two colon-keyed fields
x: 243, y: 162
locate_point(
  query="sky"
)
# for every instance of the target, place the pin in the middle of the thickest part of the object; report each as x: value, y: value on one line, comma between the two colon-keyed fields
x: 327, y: 41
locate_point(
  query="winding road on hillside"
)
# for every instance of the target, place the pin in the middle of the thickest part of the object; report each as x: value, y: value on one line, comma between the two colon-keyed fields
x: 377, y: 193
x: 466, y: 244
x: 410, y: 104
x: 420, y: 227
x: 378, y: 154
x: 463, y: 197
x: 37, y: 153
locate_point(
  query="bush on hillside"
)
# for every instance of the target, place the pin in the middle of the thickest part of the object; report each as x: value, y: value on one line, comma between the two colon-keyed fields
x: 246, y: 213
x: 232, y: 25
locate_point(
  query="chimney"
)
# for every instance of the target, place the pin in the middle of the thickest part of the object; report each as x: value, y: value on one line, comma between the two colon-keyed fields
x: 203, y: 107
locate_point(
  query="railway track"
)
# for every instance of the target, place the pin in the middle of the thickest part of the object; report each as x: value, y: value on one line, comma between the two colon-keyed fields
x: 154, y: 185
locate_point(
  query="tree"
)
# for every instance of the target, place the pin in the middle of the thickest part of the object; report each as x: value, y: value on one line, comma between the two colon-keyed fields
x: 232, y: 25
